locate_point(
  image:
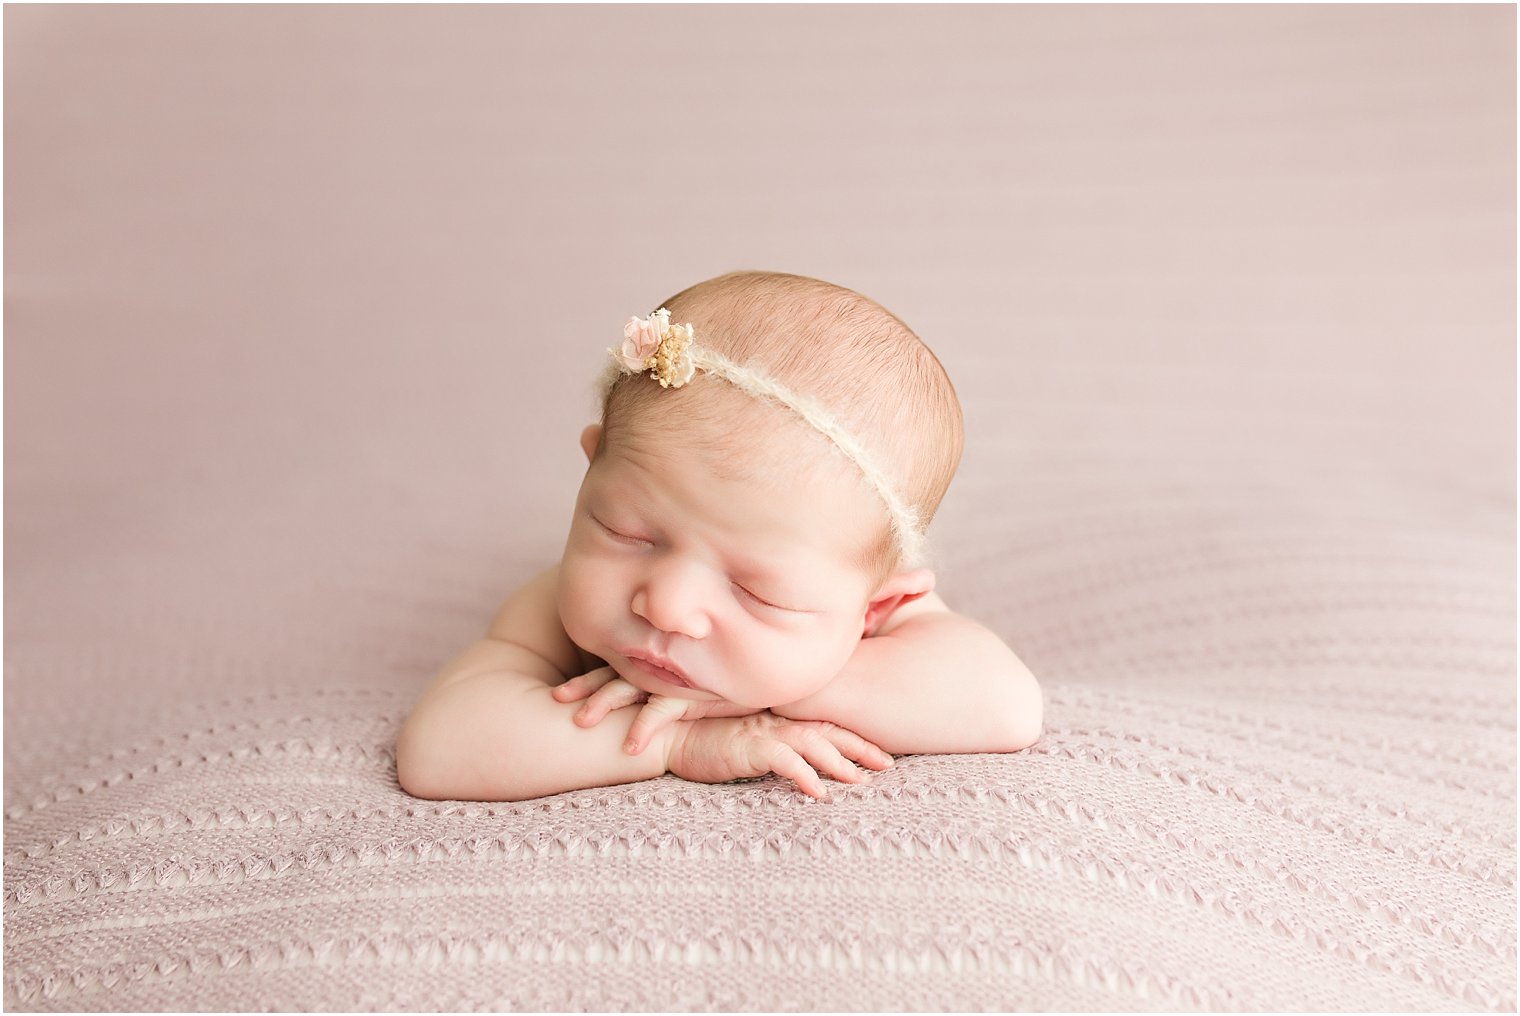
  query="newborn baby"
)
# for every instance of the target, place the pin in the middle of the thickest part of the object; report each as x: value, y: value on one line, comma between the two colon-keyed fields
x: 744, y: 588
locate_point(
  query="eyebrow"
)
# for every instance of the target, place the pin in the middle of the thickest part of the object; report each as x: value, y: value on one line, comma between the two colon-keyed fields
x: 629, y: 494
x: 746, y: 566
x: 766, y: 572
x: 742, y: 563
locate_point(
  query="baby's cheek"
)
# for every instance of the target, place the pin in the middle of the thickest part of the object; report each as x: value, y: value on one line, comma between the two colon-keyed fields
x: 577, y: 608
x: 830, y: 656
x: 800, y: 668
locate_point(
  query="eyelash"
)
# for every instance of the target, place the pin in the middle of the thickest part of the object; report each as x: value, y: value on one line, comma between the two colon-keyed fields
x: 615, y: 534
x: 763, y: 602
x: 634, y: 540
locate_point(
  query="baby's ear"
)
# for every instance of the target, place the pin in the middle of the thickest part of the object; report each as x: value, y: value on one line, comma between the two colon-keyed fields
x: 903, y: 587
x: 590, y: 438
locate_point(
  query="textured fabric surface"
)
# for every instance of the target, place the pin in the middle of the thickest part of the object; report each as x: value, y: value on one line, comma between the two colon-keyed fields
x: 303, y: 310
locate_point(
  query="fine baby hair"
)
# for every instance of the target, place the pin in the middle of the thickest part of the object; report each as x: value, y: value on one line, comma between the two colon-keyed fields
x: 828, y: 357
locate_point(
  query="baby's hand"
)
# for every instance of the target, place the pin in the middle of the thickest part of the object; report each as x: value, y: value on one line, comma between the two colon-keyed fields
x: 719, y: 750
x: 605, y: 691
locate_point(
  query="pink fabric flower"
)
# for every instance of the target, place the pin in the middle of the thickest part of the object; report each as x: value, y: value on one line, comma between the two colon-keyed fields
x: 641, y: 337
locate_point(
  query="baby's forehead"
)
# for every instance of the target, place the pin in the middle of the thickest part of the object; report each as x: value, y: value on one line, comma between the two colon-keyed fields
x: 802, y: 514
x: 785, y: 465
x: 737, y: 435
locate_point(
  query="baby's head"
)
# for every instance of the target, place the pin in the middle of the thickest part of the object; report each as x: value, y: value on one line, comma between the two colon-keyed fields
x: 722, y: 532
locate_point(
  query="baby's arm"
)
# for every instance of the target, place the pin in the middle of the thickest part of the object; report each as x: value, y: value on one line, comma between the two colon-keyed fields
x: 489, y: 728
x: 937, y: 683
x: 933, y: 683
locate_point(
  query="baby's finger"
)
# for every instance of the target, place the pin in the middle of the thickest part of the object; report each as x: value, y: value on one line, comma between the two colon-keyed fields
x: 814, y: 746
x: 782, y: 760
x: 572, y: 690
x: 580, y: 687
x: 610, y: 696
x: 661, y: 712
x: 853, y: 746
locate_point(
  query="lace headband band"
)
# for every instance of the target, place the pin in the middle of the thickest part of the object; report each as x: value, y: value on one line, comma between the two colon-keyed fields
x: 670, y: 356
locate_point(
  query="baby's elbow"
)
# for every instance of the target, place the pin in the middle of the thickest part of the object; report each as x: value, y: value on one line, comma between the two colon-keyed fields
x: 437, y: 762
x: 1024, y: 720
x: 419, y: 769
x: 415, y: 780
x: 1024, y: 731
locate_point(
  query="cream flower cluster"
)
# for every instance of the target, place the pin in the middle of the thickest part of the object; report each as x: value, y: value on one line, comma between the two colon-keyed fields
x: 656, y: 345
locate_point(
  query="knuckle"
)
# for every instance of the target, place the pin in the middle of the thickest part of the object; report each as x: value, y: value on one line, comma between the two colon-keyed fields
x: 778, y: 753
x: 813, y: 739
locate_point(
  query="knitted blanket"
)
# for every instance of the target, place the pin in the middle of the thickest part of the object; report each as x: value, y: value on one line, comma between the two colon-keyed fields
x: 291, y: 403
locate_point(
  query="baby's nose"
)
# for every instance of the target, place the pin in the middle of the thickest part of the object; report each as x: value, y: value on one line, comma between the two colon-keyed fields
x: 673, y: 601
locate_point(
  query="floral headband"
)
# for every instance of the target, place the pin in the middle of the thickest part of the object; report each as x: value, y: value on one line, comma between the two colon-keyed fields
x: 669, y: 353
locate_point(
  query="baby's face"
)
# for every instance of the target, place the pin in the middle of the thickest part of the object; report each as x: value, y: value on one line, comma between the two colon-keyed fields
x: 747, y: 588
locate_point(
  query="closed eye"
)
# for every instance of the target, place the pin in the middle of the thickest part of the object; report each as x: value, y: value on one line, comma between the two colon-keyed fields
x: 614, y: 533
x: 767, y: 603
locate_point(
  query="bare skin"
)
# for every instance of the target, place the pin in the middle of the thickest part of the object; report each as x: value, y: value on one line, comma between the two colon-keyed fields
x: 715, y: 629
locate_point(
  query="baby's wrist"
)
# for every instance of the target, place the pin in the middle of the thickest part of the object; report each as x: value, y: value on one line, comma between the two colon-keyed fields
x: 803, y: 709
x: 669, y: 741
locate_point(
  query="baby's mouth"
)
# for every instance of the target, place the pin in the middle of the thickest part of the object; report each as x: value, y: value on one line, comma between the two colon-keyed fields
x: 638, y: 661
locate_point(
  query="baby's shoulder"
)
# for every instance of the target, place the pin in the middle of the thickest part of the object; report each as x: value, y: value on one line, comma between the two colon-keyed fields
x: 530, y: 618
x: 929, y: 603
